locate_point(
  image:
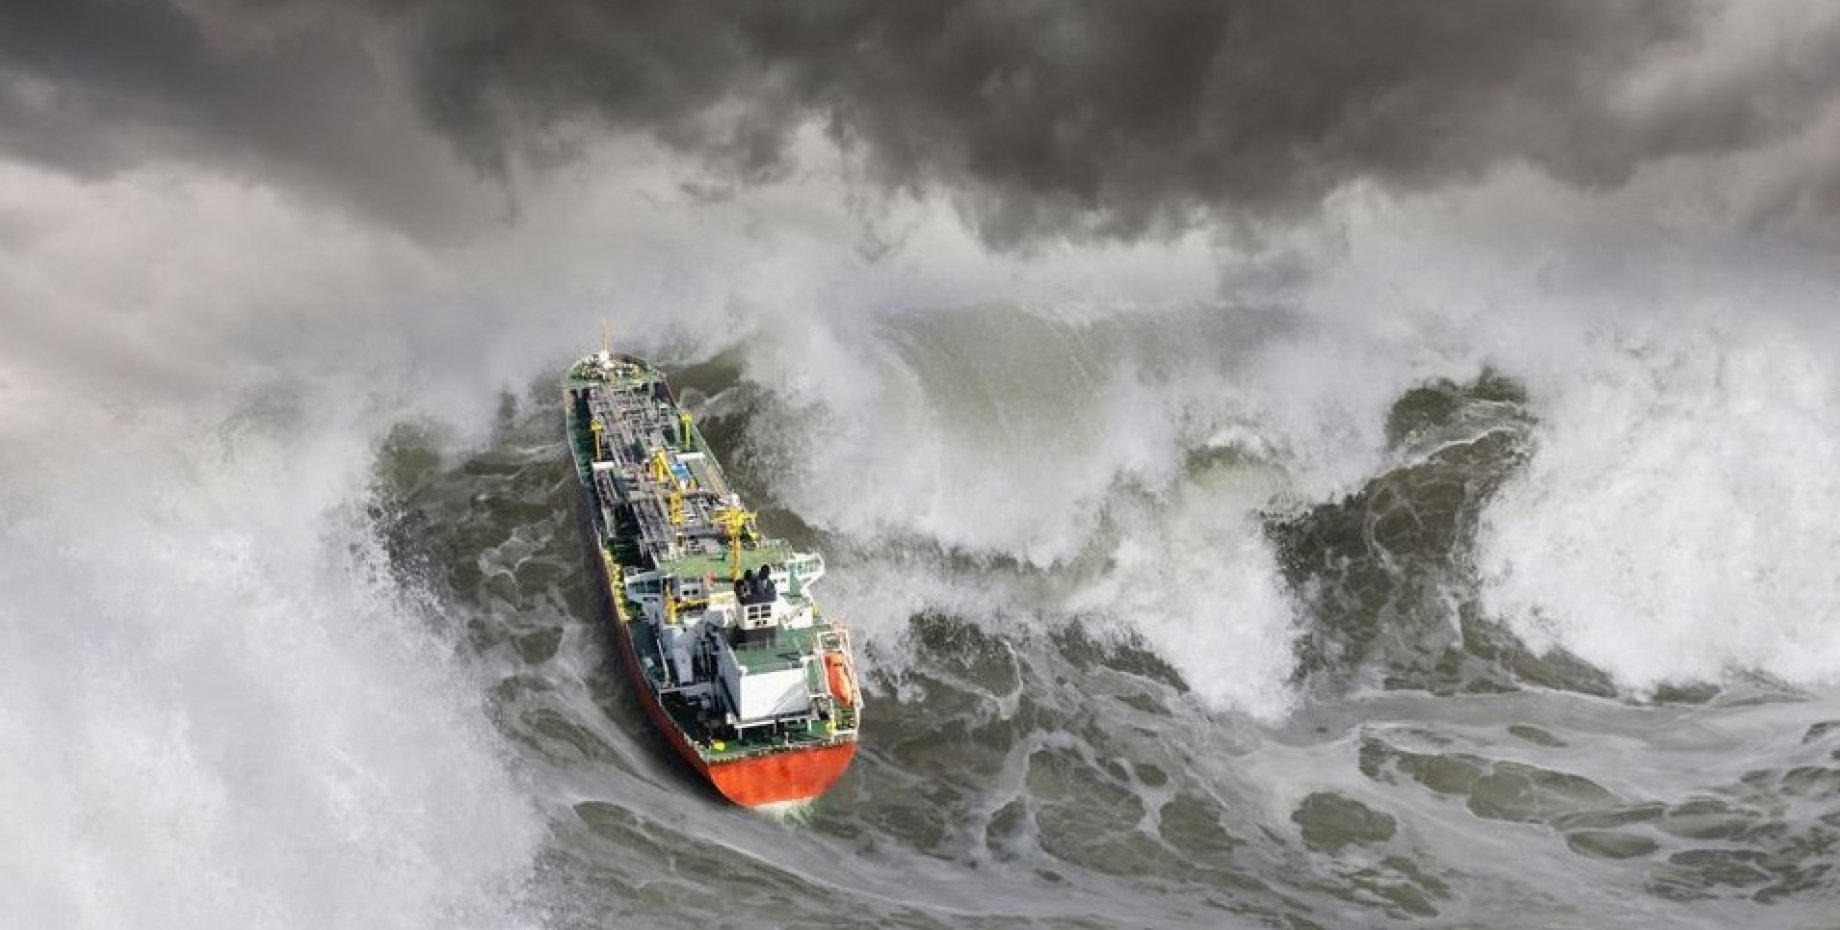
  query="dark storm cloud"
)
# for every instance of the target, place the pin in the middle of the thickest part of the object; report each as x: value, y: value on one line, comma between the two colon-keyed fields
x: 1092, y: 117
x: 1116, y: 119
x: 1081, y: 118
x: 94, y: 86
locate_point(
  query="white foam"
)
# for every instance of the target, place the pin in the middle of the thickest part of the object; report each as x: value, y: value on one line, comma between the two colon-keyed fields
x: 1197, y: 579
x: 1062, y: 443
x: 215, y: 711
x: 1677, y: 521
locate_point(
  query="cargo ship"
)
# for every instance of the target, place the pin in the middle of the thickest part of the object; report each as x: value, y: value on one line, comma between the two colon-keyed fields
x: 716, y: 625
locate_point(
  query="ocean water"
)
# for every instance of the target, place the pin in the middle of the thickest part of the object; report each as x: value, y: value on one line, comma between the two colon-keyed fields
x: 1193, y: 616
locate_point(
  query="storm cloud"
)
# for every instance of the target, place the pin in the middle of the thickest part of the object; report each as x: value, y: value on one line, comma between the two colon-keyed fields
x: 282, y: 96
x: 1103, y: 118
x: 1088, y: 120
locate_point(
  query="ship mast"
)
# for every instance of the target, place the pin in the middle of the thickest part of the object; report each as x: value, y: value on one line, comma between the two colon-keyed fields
x: 733, y: 519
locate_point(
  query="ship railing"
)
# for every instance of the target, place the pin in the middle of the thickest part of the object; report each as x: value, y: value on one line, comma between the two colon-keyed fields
x: 772, y: 732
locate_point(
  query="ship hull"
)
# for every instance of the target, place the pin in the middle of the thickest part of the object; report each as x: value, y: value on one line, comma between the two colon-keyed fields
x: 793, y: 775
x: 776, y: 778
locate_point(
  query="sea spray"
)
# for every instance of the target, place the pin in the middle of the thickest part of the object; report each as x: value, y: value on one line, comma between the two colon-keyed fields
x: 1675, y: 525
x: 220, y: 712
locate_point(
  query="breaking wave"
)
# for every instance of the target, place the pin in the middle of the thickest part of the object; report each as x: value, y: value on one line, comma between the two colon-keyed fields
x: 218, y: 708
x: 1675, y: 524
x: 1656, y: 513
x: 1292, y: 606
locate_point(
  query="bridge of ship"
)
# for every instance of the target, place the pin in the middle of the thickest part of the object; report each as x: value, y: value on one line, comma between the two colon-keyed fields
x: 718, y: 744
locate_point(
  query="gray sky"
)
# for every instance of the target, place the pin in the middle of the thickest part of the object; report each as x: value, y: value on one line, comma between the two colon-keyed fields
x: 244, y: 180
x: 1041, y: 120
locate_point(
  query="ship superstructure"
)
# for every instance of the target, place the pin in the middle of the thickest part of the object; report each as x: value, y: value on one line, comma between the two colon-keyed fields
x: 732, y: 657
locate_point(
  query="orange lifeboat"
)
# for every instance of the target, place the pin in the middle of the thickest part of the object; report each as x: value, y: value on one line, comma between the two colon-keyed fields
x: 837, y: 675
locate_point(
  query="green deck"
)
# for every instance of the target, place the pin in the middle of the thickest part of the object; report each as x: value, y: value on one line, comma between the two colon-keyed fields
x: 719, y: 565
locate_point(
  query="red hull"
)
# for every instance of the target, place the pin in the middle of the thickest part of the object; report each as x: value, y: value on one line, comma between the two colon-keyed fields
x: 793, y: 775
x: 796, y: 775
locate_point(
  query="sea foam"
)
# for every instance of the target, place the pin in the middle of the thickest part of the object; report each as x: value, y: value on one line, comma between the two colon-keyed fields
x: 218, y: 710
